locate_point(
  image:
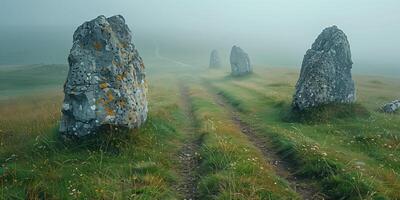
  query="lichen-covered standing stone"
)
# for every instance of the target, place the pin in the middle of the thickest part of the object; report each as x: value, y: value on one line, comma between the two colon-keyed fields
x: 391, y: 107
x: 106, y: 83
x: 240, y: 62
x: 325, y: 75
x: 215, y: 61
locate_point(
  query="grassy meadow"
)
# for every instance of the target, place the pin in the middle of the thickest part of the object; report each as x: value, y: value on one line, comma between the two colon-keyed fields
x: 348, y: 155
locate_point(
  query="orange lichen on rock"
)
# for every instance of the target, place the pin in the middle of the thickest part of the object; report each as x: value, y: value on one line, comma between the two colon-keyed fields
x: 109, y: 111
x: 110, y: 96
x: 97, y: 45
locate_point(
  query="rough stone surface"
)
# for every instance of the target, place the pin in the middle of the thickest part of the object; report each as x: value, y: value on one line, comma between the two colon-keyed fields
x: 391, y: 107
x: 240, y: 62
x: 325, y: 75
x: 106, y: 83
x: 215, y: 61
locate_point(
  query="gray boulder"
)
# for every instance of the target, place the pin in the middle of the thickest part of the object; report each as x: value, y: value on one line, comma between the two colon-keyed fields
x: 106, y: 83
x: 215, y: 61
x: 240, y: 62
x: 391, y: 107
x: 325, y: 75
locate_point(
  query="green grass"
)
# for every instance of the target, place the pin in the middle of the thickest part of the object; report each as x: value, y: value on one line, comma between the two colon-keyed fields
x: 346, y: 151
x: 122, y: 167
x: 340, y: 146
x: 139, y: 164
x: 31, y: 79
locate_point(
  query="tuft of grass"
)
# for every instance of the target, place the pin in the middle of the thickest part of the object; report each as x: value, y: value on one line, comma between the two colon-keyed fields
x: 349, y: 186
x: 334, y: 181
x: 235, y: 103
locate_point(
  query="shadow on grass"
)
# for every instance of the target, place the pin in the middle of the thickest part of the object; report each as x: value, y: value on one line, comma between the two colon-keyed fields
x: 240, y: 77
x: 108, y: 139
x: 324, y: 113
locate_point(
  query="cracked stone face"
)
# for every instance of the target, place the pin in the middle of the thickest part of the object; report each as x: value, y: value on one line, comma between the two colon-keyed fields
x: 215, y: 61
x: 325, y: 75
x: 240, y: 62
x: 106, y: 82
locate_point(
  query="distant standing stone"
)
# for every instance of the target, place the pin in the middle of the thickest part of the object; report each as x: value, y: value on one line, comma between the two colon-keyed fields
x: 240, y: 62
x: 325, y: 75
x: 106, y: 81
x: 215, y: 61
x: 391, y: 107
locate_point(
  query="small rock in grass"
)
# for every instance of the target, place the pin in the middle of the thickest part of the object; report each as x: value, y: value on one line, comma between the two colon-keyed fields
x: 391, y: 107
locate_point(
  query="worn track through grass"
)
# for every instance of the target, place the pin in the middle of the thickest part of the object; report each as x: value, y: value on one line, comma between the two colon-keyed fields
x: 188, y: 155
x: 282, y: 168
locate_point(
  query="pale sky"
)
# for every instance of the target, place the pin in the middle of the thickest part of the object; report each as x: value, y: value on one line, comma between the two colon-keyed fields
x: 282, y: 29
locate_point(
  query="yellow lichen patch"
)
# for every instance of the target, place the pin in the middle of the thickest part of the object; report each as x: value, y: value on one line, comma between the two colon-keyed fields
x: 103, y: 85
x: 97, y: 45
x: 119, y: 77
x: 109, y: 111
x: 110, y: 96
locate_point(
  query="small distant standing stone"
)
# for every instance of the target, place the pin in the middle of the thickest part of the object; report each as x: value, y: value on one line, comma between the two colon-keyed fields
x: 240, y: 62
x: 391, y: 107
x: 215, y: 61
x: 106, y: 83
x: 325, y: 75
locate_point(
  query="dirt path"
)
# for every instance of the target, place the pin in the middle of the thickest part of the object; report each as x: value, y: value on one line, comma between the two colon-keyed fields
x: 188, y: 155
x: 282, y: 168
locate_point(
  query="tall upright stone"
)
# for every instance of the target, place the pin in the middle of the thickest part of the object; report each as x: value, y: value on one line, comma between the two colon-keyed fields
x: 240, y: 62
x: 106, y: 83
x: 215, y: 61
x: 325, y: 75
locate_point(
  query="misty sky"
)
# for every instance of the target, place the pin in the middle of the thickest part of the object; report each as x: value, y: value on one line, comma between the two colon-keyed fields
x: 273, y: 32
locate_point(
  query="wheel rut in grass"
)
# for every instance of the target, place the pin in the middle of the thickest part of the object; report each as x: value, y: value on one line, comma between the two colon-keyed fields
x: 281, y: 167
x: 188, y: 155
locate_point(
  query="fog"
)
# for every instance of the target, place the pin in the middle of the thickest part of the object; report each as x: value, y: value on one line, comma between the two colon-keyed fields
x: 274, y: 33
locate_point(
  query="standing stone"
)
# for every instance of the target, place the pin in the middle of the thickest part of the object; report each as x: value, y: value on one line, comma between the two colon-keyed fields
x: 215, y: 61
x: 325, y: 75
x: 240, y: 62
x: 106, y: 83
x: 391, y: 107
